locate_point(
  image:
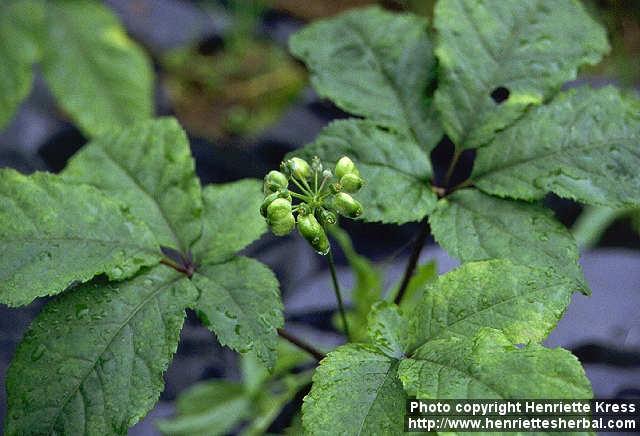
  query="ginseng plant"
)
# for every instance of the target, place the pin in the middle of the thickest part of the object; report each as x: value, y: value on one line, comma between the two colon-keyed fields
x: 125, y: 238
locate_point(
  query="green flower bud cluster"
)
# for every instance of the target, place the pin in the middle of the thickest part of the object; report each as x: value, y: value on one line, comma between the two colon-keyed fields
x: 319, y: 199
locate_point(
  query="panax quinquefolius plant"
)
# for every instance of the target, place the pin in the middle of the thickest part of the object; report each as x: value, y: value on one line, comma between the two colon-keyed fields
x: 125, y: 238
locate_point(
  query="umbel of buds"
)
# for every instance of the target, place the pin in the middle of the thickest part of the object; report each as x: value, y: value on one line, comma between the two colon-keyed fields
x: 314, y: 200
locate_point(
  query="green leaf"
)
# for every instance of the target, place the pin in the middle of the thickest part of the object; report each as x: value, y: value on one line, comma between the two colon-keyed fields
x: 358, y: 389
x: 474, y: 226
x: 396, y: 171
x: 389, y: 329
x: 525, y: 303
x: 240, y: 302
x: 231, y: 219
x: 270, y: 402
x: 377, y: 65
x: 255, y: 374
x: 217, y: 406
x: 417, y: 284
x: 592, y: 223
x: 55, y: 234
x: 92, y: 361
x: 100, y: 76
x: 583, y: 146
x: 528, y: 47
x: 489, y: 366
x: 355, y: 391
x: 213, y: 408
x: 18, y: 51
x: 149, y: 168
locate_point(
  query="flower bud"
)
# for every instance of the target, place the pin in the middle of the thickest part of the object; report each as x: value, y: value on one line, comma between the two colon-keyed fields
x: 351, y: 182
x: 283, y: 226
x: 278, y: 209
x: 316, y: 165
x: 273, y: 181
x: 327, y: 174
x: 312, y: 231
x: 347, y: 206
x: 299, y: 168
x: 345, y: 166
x: 326, y: 217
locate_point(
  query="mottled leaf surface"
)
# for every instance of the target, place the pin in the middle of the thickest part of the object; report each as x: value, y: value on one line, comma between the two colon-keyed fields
x: 362, y: 389
x: 374, y: 64
x: 92, y: 362
x: 99, y: 75
x: 18, y: 51
x: 54, y: 234
x: 389, y: 329
x: 356, y: 391
x: 474, y: 226
x: 230, y: 219
x: 240, y: 302
x: 150, y: 169
x: 395, y: 170
x: 584, y: 145
x: 529, y: 48
x: 525, y: 303
x: 489, y: 366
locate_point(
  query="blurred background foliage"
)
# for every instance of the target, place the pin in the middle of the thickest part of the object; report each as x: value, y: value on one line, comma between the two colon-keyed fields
x: 242, y: 82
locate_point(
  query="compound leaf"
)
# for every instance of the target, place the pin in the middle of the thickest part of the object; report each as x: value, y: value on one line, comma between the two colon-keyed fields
x: 230, y: 219
x: 240, y: 302
x: 101, y: 77
x: 150, y: 169
x: 395, y: 170
x: 583, y: 145
x: 474, y: 226
x: 377, y: 65
x: 18, y: 51
x: 523, y: 302
x: 489, y: 366
x: 55, y: 234
x: 355, y: 390
x: 92, y: 362
x: 522, y: 50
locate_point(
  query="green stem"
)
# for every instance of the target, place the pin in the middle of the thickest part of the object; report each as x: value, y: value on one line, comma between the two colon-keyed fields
x: 304, y: 181
x: 452, y: 166
x: 336, y: 288
x: 315, y: 181
x: 324, y: 180
x: 413, y: 260
x: 302, y: 188
x: 300, y: 196
x: 301, y: 344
